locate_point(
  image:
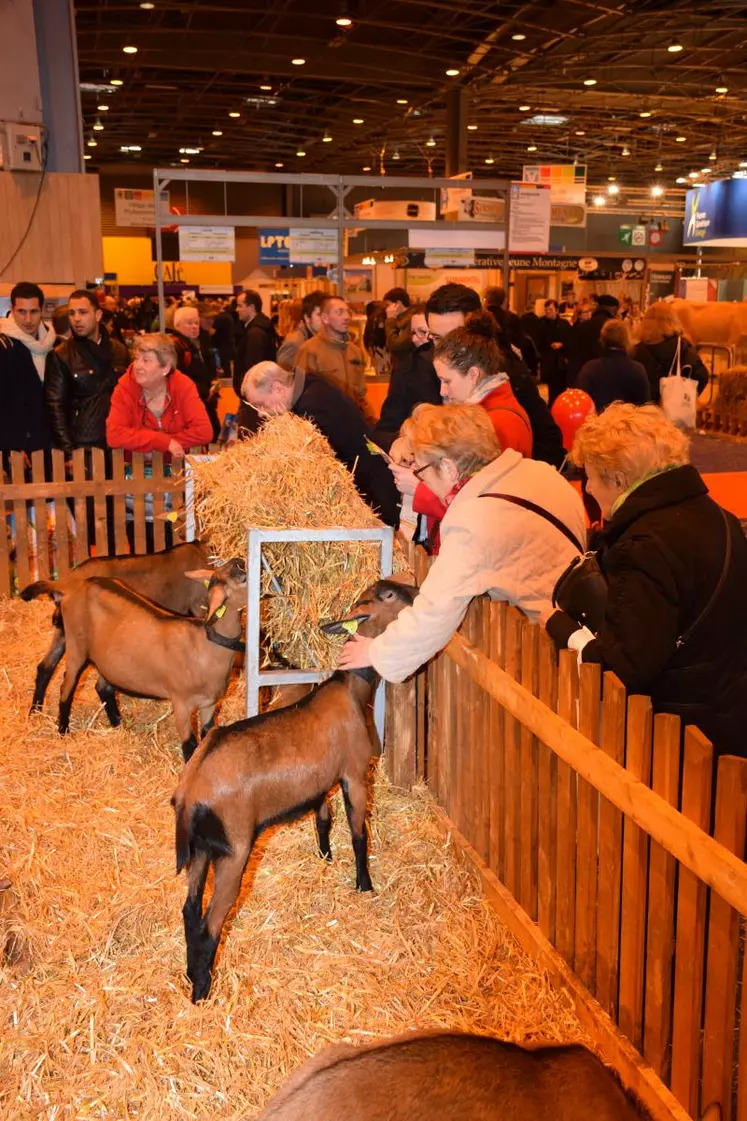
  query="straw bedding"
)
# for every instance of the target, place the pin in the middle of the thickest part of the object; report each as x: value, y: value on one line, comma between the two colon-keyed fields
x: 287, y: 477
x: 95, y: 1019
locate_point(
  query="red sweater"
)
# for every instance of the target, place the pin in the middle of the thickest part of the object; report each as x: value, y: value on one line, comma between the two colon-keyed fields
x: 132, y: 426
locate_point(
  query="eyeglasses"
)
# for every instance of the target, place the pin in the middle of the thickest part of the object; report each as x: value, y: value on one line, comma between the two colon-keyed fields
x: 418, y: 471
x: 421, y: 333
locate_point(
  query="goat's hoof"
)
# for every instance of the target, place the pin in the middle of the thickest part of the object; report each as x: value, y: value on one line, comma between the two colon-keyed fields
x: 201, y: 988
x: 364, y: 885
x: 36, y: 709
x: 326, y: 855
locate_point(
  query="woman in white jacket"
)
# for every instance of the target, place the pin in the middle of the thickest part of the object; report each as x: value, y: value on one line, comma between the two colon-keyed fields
x: 511, y: 527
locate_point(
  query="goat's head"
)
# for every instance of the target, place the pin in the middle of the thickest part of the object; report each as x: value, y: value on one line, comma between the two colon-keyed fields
x: 225, y: 584
x: 375, y: 610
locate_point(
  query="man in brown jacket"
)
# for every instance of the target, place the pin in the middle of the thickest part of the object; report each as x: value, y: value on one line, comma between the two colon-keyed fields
x: 332, y: 355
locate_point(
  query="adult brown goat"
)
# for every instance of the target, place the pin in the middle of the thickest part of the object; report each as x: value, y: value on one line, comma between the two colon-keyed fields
x: 157, y: 576
x: 142, y: 649
x: 272, y: 768
x: 421, y: 1077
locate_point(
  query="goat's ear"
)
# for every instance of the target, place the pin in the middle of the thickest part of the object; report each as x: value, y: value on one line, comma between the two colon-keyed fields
x: 344, y: 626
x: 201, y: 575
x: 395, y: 591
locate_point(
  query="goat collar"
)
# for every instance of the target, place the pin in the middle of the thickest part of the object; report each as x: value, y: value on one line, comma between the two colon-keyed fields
x: 220, y: 640
x: 368, y: 673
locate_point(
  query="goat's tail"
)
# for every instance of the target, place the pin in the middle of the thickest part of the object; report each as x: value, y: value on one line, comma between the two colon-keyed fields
x: 41, y: 588
x: 198, y: 828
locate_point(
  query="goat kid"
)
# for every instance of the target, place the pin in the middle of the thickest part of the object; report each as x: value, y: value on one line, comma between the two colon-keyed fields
x: 159, y: 577
x: 142, y: 649
x: 272, y: 768
x: 419, y: 1077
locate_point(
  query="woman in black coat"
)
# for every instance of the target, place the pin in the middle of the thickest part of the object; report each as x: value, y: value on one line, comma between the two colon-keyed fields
x: 658, y: 333
x: 675, y: 622
x: 614, y: 376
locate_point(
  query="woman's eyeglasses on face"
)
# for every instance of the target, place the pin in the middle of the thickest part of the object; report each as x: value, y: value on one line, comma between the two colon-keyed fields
x: 418, y: 471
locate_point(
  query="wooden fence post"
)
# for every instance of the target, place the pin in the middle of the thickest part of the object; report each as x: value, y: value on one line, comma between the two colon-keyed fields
x: 587, y: 833
x: 512, y: 758
x: 547, y: 808
x: 529, y: 779
x: 565, y: 922
x: 496, y: 744
x: 610, y: 853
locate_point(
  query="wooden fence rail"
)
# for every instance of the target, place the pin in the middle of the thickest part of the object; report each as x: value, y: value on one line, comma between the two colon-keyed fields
x: 56, y: 515
x: 600, y: 841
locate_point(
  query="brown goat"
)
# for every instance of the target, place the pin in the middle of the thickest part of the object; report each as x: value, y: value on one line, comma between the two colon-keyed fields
x: 455, y: 1077
x: 272, y: 768
x: 157, y: 576
x: 142, y: 649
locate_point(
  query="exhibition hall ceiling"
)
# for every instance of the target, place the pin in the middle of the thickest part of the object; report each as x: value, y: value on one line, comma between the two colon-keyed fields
x: 645, y: 91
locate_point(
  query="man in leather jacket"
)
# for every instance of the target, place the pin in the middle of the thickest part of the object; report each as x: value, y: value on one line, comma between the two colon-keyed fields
x: 80, y: 376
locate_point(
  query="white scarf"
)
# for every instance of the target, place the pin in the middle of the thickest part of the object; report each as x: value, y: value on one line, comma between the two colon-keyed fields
x: 485, y: 387
x: 39, y: 348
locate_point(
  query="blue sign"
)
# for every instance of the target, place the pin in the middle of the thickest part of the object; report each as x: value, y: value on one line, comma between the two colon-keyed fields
x: 274, y: 247
x: 716, y: 213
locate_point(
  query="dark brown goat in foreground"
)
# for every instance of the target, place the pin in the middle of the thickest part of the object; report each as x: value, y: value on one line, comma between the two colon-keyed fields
x: 272, y: 768
x: 157, y: 576
x: 142, y: 649
x: 452, y: 1077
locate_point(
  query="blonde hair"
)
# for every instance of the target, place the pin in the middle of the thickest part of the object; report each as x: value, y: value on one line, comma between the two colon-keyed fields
x: 160, y: 345
x: 462, y: 433
x: 659, y: 322
x: 264, y: 375
x: 631, y: 441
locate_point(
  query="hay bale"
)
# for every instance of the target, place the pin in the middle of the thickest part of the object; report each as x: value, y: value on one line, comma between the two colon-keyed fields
x: 287, y: 477
x: 102, y: 1025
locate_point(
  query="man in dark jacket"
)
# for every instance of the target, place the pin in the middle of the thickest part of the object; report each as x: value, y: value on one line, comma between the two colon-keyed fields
x: 81, y: 374
x: 25, y: 342
x: 269, y: 390
x: 584, y: 342
x: 447, y: 308
x: 413, y: 381
x: 614, y: 376
x: 259, y: 341
x: 554, y: 336
x: 196, y: 362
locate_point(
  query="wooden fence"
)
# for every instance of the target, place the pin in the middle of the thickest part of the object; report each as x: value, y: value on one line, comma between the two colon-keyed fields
x: 590, y: 824
x: 56, y: 518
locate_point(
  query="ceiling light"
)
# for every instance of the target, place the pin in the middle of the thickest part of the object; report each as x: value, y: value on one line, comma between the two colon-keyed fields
x: 613, y: 189
x: 659, y: 167
x: 490, y: 160
x: 430, y: 142
x: 681, y: 139
x: 326, y: 139
x: 472, y: 128
x: 518, y: 37
x: 117, y: 82
x: 452, y: 73
x: 92, y: 143
x: 395, y: 155
x: 298, y: 61
x: 600, y: 200
x: 611, y: 178
x: 743, y: 163
x: 531, y: 147
x: 551, y: 119
x: 366, y: 168
x: 706, y: 170
x: 185, y: 160
x: 402, y: 101
x: 234, y: 115
x: 722, y: 89
x: 86, y: 157
x: 217, y: 132
x: 103, y: 108
x: 524, y: 108
x: 590, y: 81
x: 580, y: 132
x: 266, y: 86
x: 645, y: 113
x: 657, y: 191
x: 130, y: 50
x: 625, y: 151
x: 680, y: 179
x: 135, y: 148
x: 190, y: 151
x: 125, y: 148
x: 300, y: 152
x: 357, y: 120
x: 694, y: 174
x: 713, y: 156
x: 98, y: 127
x: 344, y: 21
x: 675, y: 48
x: 147, y: 5
x: 279, y: 165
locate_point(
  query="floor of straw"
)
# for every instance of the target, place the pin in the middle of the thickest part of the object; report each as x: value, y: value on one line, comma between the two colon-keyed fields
x: 101, y: 1024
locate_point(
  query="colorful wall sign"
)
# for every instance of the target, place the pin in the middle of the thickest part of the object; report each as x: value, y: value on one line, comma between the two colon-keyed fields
x: 274, y: 247
x: 716, y: 214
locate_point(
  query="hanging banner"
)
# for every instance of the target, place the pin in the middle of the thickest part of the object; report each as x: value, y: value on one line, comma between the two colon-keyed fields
x: 207, y: 243
x: 449, y: 258
x: 312, y: 247
x: 567, y: 181
x: 529, y: 218
x: 716, y: 214
x: 274, y: 247
x: 138, y: 208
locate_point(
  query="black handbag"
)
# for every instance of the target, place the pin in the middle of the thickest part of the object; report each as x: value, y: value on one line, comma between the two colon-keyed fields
x: 581, y: 591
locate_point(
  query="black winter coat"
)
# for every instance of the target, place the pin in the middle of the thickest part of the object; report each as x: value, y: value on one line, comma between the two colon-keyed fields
x: 614, y: 377
x: 78, y: 384
x: 663, y: 553
x: 342, y: 422
x: 259, y: 343
x: 584, y: 344
x: 547, y: 440
x: 23, y: 416
x: 413, y: 382
x: 554, y: 362
x: 658, y: 359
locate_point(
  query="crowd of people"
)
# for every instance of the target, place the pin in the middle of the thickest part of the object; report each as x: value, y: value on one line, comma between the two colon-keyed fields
x: 464, y: 433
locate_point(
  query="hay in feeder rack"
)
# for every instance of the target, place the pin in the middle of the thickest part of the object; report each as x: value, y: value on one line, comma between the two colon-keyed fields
x: 287, y: 477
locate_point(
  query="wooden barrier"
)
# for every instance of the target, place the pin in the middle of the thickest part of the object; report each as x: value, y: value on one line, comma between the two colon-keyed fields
x: 589, y: 821
x: 55, y: 515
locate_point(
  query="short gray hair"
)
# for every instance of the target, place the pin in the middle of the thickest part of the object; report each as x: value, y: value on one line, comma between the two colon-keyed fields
x: 262, y: 376
x: 161, y: 345
x: 181, y: 312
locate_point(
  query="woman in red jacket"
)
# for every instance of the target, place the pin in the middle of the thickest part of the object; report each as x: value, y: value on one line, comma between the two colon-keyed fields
x: 471, y: 369
x: 154, y: 408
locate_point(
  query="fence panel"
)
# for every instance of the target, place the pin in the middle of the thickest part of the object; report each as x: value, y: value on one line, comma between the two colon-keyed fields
x: 567, y: 814
x: 40, y: 519
x: 587, y: 855
x: 547, y: 808
x: 496, y: 743
x: 529, y: 780
x: 20, y: 518
x: 610, y: 853
x: 512, y: 758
